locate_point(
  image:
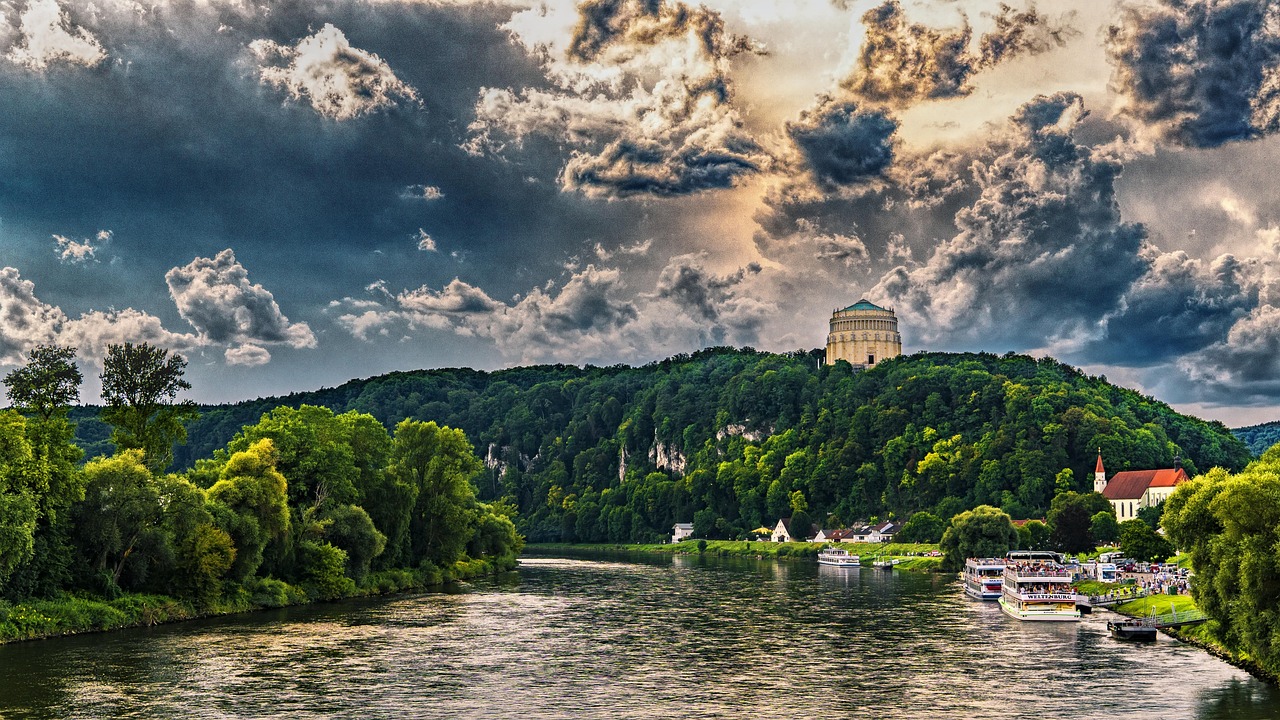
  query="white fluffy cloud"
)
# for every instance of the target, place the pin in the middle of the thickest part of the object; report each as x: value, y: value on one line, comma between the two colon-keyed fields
x: 26, y: 321
x: 592, y: 317
x: 217, y: 298
x: 340, y: 81
x: 80, y: 251
x: 46, y: 35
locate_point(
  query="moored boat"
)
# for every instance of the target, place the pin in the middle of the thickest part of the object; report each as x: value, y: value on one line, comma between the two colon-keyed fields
x: 1036, y: 586
x: 983, y: 577
x: 884, y: 563
x: 1132, y: 629
x: 837, y: 557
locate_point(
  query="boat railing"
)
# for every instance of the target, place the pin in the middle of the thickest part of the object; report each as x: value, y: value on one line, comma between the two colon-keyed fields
x: 1056, y: 597
x: 1062, y: 574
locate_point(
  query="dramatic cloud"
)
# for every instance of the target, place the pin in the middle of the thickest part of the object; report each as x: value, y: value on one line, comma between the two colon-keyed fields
x: 26, y: 321
x: 340, y: 82
x: 1042, y: 251
x: 81, y: 251
x: 642, y: 97
x: 1199, y: 72
x: 247, y: 355
x: 47, y: 35
x: 843, y: 145
x: 425, y: 242
x: 902, y: 63
x: 1180, y: 305
x: 216, y: 297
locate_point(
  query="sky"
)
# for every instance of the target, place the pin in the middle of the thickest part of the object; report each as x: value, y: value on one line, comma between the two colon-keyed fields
x: 295, y: 193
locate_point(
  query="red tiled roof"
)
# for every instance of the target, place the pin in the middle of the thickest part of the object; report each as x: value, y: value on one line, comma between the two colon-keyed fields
x: 1099, y: 469
x: 1169, y: 478
x: 1132, y: 484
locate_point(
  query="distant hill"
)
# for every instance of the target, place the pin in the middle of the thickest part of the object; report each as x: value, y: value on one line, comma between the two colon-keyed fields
x: 1259, y: 438
x: 733, y: 439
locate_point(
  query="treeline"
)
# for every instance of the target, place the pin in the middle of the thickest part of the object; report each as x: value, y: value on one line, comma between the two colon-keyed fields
x: 1259, y: 438
x: 1230, y: 526
x: 734, y: 439
x: 300, y: 504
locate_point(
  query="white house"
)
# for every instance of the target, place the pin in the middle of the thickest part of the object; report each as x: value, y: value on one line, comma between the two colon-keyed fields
x: 680, y: 531
x: 883, y: 532
x: 782, y: 531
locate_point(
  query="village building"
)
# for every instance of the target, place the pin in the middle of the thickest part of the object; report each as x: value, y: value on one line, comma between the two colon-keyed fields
x: 862, y: 335
x: 1132, y: 490
x: 680, y: 531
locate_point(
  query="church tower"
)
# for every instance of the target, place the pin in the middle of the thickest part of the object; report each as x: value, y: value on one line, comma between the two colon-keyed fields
x: 1099, y: 475
x: 863, y: 334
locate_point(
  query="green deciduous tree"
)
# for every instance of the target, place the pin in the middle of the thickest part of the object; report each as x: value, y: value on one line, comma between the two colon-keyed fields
x: 922, y: 527
x: 121, y: 504
x: 140, y: 385
x: 1070, y: 519
x: 1140, y: 542
x: 1104, y: 527
x: 439, y: 463
x: 981, y: 532
x: 249, y: 503
x: 350, y: 529
x: 48, y: 384
x: 18, y: 509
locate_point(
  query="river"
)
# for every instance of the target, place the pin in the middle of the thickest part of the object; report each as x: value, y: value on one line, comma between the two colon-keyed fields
x: 635, y: 637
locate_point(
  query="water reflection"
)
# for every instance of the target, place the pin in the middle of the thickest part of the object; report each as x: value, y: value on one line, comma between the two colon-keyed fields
x: 690, y: 636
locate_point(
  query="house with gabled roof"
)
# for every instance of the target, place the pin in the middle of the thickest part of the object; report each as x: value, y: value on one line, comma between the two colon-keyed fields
x: 1132, y: 490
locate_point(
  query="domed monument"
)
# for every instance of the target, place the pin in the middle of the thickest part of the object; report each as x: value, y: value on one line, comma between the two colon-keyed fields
x: 863, y: 334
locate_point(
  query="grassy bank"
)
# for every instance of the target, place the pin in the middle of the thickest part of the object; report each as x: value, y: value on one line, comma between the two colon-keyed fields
x: 1201, y: 636
x: 71, y: 614
x: 913, y: 556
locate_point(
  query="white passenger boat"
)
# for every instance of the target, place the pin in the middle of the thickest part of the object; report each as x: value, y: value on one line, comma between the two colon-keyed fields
x: 1037, y: 587
x: 837, y: 557
x: 983, y: 577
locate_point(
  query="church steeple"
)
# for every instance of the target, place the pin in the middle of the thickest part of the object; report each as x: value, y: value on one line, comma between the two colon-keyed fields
x: 1099, y: 475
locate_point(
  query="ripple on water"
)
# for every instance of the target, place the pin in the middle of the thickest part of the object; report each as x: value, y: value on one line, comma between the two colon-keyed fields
x: 685, y: 637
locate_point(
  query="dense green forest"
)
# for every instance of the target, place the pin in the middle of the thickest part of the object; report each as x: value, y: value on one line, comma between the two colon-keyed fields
x: 296, y: 505
x: 1259, y: 438
x: 734, y: 439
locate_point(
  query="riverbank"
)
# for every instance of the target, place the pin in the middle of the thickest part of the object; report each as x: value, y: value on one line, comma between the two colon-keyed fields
x: 74, y: 614
x: 1200, y: 636
x: 912, y: 557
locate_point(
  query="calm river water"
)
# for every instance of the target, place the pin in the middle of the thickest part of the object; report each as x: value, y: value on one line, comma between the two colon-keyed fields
x: 683, y: 637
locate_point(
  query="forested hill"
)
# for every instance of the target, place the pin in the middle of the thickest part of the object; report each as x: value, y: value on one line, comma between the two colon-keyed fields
x: 734, y: 439
x: 1259, y: 437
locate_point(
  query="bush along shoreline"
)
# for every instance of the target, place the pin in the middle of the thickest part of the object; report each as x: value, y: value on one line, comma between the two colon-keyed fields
x: 76, y: 614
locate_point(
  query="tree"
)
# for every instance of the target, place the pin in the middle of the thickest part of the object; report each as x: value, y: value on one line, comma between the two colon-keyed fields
x: 1104, y: 527
x: 122, y: 503
x: 48, y: 384
x: 18, y: 510
x: 1033, y: 535
x: 1070, y: 519
x: 1151, y: 514
x: 1140, y: 542
x: 922, y: 527
x: 249, y: 503
x: 981, y: 532
x: 439, y: 463
x: 139, y: 385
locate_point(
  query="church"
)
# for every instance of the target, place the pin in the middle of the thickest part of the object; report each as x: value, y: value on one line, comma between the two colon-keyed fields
x: 1132, y: 490
x: 862, y: 335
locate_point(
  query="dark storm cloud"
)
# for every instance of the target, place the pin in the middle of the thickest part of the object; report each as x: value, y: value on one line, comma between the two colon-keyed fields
x: 632, y: 126
x: 1181, y: 305
x: 1042, y: 252
x: 843, y: 144
x: 691, y: 286
x: 1199, y: 72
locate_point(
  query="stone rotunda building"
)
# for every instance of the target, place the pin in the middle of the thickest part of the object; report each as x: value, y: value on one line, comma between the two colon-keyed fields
x: 863, y: 334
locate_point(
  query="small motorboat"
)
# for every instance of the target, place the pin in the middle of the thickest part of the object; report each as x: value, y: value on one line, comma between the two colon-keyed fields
x: 1132, y: 629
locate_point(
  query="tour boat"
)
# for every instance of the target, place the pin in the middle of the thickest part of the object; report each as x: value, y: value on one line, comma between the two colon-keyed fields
x: 983, y: 577
x: 838, y: 557
x: 1038, y: 587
